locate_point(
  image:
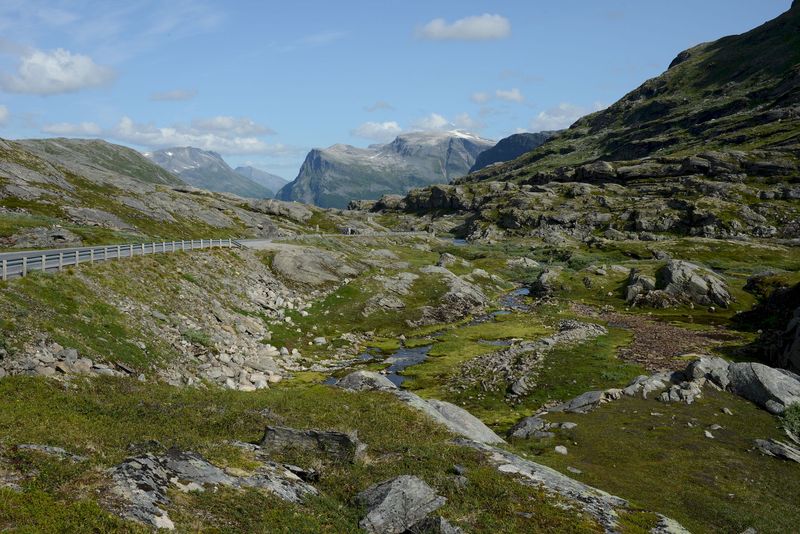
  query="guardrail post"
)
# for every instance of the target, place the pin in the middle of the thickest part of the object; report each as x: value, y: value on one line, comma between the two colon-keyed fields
x: 5, y: 270
x: 77, y: 257
x: 60, y: 261
x: 44, y: 263
x: 24, y: 265
x: 201, y: 243
x: 131, y: 250
x: 119, y: 251
x: 91, y: 256
x: 230, y: 242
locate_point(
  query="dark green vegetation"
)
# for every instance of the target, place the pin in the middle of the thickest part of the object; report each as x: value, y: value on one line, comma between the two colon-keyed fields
x: 98, y: 419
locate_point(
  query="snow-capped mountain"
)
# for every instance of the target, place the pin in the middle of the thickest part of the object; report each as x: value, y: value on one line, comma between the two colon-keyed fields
x: 334, y: 176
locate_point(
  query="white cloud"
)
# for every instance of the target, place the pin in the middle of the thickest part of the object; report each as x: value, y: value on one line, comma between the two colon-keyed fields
x: 464, y: 121
x: 214, y: 137
x: 480, y: 97
x: 477, y: 28
x: 434, y: 121
x: 54, y: 72
x: 67, y: 128
x: 174, y: 96
x: 379, y: 105
x: 377, y: 131
x: 226, y: 125
x: 561, y: 116
x: 510, y: 95
x: 4, y: 114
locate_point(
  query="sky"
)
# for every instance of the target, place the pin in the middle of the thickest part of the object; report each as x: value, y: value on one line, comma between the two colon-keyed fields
x: 263, y: 82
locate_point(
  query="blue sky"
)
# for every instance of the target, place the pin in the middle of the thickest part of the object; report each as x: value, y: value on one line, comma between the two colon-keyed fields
x: 262, y: 82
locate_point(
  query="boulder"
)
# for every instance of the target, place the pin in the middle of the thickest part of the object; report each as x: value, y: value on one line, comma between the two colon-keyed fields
x: 365, y: 380
x: 692, y: 283
x: 527, y: 427
x: 395, y: 506
x: 583, y: 403
x: 638, y: 284
x: 773, y: 389
x: 711, y: 368
x: 342, y: 446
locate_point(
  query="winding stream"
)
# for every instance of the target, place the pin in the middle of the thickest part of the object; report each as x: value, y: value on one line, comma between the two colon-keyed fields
x: 405, y: 357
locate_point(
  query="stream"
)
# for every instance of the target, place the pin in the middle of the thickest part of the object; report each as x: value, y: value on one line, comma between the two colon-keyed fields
x: 404, y: 357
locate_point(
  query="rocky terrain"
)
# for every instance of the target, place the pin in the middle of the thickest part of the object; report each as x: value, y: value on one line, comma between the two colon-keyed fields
x: 604, y: 338
x: 335, y: 176
x: 207, y: 170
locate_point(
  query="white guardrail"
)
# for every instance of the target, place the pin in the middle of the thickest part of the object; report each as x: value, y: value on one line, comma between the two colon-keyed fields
x: 18, y: 264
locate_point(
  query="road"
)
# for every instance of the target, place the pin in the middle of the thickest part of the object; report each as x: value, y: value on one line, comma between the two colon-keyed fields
x: 16, y: 264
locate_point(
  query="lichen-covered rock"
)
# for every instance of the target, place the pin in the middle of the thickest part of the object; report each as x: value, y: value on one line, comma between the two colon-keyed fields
x: 686, y: 280
x: 365, y: 381
x: 395, y: 506
x: 342, y: 446
x: 773, y: 389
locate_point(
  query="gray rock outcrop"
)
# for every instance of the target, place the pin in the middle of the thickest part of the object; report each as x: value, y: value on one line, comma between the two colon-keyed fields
x: 365, y: 381
x: 345, y: 447
x: 397, y: 505
x: 140, y: 484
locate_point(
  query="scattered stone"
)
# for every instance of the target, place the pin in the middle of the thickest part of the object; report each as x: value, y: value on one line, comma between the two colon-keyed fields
x: 339, y: 445
x: 52, y: 451
x: 395, y: 506
x: 602, y: 506
x: 574, y: 470
x: 708, y: 434
x: 560, y: 449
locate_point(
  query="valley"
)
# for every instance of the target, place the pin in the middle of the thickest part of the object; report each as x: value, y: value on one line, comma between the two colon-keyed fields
x: 594, y: 329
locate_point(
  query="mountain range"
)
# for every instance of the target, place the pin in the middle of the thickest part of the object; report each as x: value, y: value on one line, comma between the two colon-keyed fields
x: 334, y: 176
x: 207, y: 170
x: 510, y: 148
x: 272, y: 182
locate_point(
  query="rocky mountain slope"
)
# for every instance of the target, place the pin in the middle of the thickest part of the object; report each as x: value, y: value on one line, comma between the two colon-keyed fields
x: 709, y: 148
x: 69, y: 192
x: 510, y: 148
x: 272, y: 182
x: 334, y: 176
x: 740, y: 92
x: 207, y: 170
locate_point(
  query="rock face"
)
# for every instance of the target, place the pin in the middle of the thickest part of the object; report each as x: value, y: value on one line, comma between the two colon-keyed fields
x: 338, y: 445
x: 334, y: 176
x: 510, y: 148
x: 141, y: 483
x: 397, y: 505
x: 207, y: 170
x: 678, y: 282
x: 312, y: 266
